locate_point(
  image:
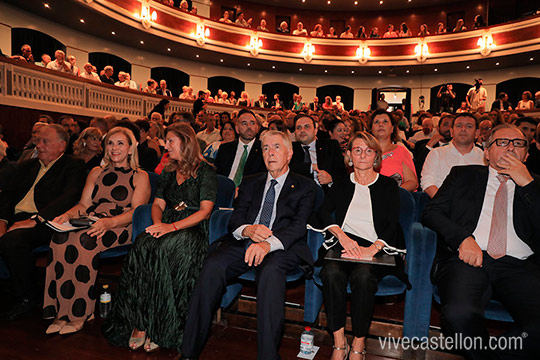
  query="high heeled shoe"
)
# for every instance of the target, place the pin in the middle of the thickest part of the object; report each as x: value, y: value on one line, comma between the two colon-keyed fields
x: 346, y: 349
x: 55, y: 327
x: 74, y: 326
x: 150, y: 346
x: 136, y: 342
x: 363, y: 353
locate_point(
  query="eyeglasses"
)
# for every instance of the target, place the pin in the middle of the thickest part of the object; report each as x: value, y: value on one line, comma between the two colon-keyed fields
x: 519, y: 143
x: 358, y: 151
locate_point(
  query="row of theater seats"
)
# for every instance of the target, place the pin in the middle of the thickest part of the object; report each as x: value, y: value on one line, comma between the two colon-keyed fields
x: 420, y: 243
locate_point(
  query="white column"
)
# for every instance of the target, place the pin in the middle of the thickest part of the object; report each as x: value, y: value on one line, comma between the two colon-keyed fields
x: 362, y: 99
x: 308, y: 93
x: 198, y: 83
x: 203, y: 7
x: 140, y: 74
x: 81, y: 56
x: 253, y: 90
x: 5, y: 42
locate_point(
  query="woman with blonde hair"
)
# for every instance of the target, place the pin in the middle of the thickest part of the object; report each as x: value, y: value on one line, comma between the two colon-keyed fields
x: 244, y: 99
x: 88, y: 147
x: 161, y: 269
x: 112, y: 192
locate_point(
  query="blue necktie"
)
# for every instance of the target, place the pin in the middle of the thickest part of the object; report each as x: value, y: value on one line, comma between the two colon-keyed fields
x: 268, y: 204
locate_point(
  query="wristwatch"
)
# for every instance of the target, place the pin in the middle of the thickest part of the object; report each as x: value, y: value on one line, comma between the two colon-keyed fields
x: 378, y: 246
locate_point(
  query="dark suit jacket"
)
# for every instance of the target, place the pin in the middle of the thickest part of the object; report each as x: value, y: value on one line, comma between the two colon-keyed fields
x: 454, y: 211
x: 281, y: 104
x: 227, y: 152
x: 293, y: 209
x: 329, y: 158
x: 312, y: 107
x: 55, y: 193
x: 257, y: 103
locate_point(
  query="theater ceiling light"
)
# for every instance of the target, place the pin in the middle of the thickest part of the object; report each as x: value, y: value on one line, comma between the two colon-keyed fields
x: 201, y: 34
x: 254, y: 44
x: 421, y: 51
x: 363, y: 53
x: 147, y: 15
x: 308, y: 51
x: 486, y: 44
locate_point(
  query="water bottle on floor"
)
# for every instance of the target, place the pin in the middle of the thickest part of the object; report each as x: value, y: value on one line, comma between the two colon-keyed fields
x: 306, y: 341
x: 105, y: 302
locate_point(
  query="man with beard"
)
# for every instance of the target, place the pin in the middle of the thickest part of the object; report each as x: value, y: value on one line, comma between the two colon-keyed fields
x: 460, y: 151
x: 243, y: 156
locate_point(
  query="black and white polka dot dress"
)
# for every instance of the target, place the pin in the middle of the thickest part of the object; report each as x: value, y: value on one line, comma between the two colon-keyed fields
x: 74, y: 259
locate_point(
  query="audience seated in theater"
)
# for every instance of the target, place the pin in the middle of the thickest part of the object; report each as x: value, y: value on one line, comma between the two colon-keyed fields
x: 107, y: 76
x: 45, y: 60
x: 423, y: 30
x: 240, y: 21
x: 526, y: 102
x: 30, y: 150
x: 315, y: 105
x: 328, y: 105
x: 426, y: 132
x: 184, y: 6
x: 533, y: 161
x: 441, y: 28
x: 283, y: 28
x: 347, y: 34
x: 391, y: 33
x: 529, y: 125
x: 59, y: 64
x: 362, y: 33
x: 300, y: 31
x: 442, y: 137
x: 397, y: 161
x: 262, y: 103
x: 317, y: 31
x: 331, y: 33
x: 366, y: 209
x: 49, y: 185
x: 484, y: 131
x: 210, y: 133
x: 298, y: 104
x: 223, y: 98
x: 121, y: 80
x: 460, y: 151
x: 8, y: 168
x: 199, y: 103
x: 244, y: 99
x: 163, y: 89
x: 262, y: 26
x: 486, y: 252
x: 374, y: 33
x: 501, y: 103
x: 277, y: 103
x: 112, y: 193
x: 88, y: 73
x: 151, y: 86
x: 70, y: 125
x: 243, y: 156
x: 184, y: 95
x: 320, y: 160
x: 25, y: 55
x: 148, y: 157
x: 169, y: 254
x: 270, y: 241
x: 337, y: 131
x: 338, y: 104
x: 460, y: 26
x: 74, y: 69
x: 478, y: 22
x: 276, y: 124
x: 193, y: 10
x: 228, y: 134
x: 402, y: 121
x: 404, y: 30
x: 88, y: 147
x: 146, y: 140
x: 232, y: 98
x: 476, y: 97
x: 101, y: 124
x: 463, y: 107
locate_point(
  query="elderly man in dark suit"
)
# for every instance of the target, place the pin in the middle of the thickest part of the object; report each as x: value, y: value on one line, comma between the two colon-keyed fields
x: 320, y: 160
x: 266, y: 232
x: 48, y: 185
x: 487, y: 221
x: 243, y: 156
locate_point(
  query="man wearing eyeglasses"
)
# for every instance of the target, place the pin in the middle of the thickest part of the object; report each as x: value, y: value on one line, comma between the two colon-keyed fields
x: 488, y: 223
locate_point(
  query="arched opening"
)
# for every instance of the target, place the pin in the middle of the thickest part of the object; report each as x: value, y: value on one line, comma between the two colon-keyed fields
x: 285, y: 91
x: 41, y: 43
x: 227, y: 84
x: 100, y: 60
x: 460, y: 89
x: 515, y: 87
x: 175, y: 78
x: 346, y: 93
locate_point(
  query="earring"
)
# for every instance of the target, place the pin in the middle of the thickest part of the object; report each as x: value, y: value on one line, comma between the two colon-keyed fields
x: 83, y: 144
x: 350, y: 163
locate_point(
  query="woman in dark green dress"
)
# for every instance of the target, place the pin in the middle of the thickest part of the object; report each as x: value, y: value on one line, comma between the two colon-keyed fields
x: 164, y: 263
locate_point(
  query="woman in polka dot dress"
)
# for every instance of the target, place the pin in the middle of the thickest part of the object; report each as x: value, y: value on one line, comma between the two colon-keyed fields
x: 111, y: 192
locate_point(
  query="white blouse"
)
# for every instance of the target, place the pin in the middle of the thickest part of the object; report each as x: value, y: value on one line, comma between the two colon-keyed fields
x: 359, y: 218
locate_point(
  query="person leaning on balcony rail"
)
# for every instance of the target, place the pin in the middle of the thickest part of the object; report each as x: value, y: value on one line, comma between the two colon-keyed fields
x: 225, y: 19
x: 74, y: 69
x: 89, y: 73
x: 107, y: 76
x: 317, y: 31
x: 300, y: 31
x: 25, y: 55
x: 59, y: 64
x: 262, y: 26
x: 404, y: 30
x: 45, y: 60
x: 441, y: 29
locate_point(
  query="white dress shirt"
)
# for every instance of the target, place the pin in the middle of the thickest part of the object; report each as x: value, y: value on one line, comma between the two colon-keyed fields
x: 440, y: 161
x: 238, y: 156
x: 275, y: 243
x: 359, y: 218
x: 514, y: 245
